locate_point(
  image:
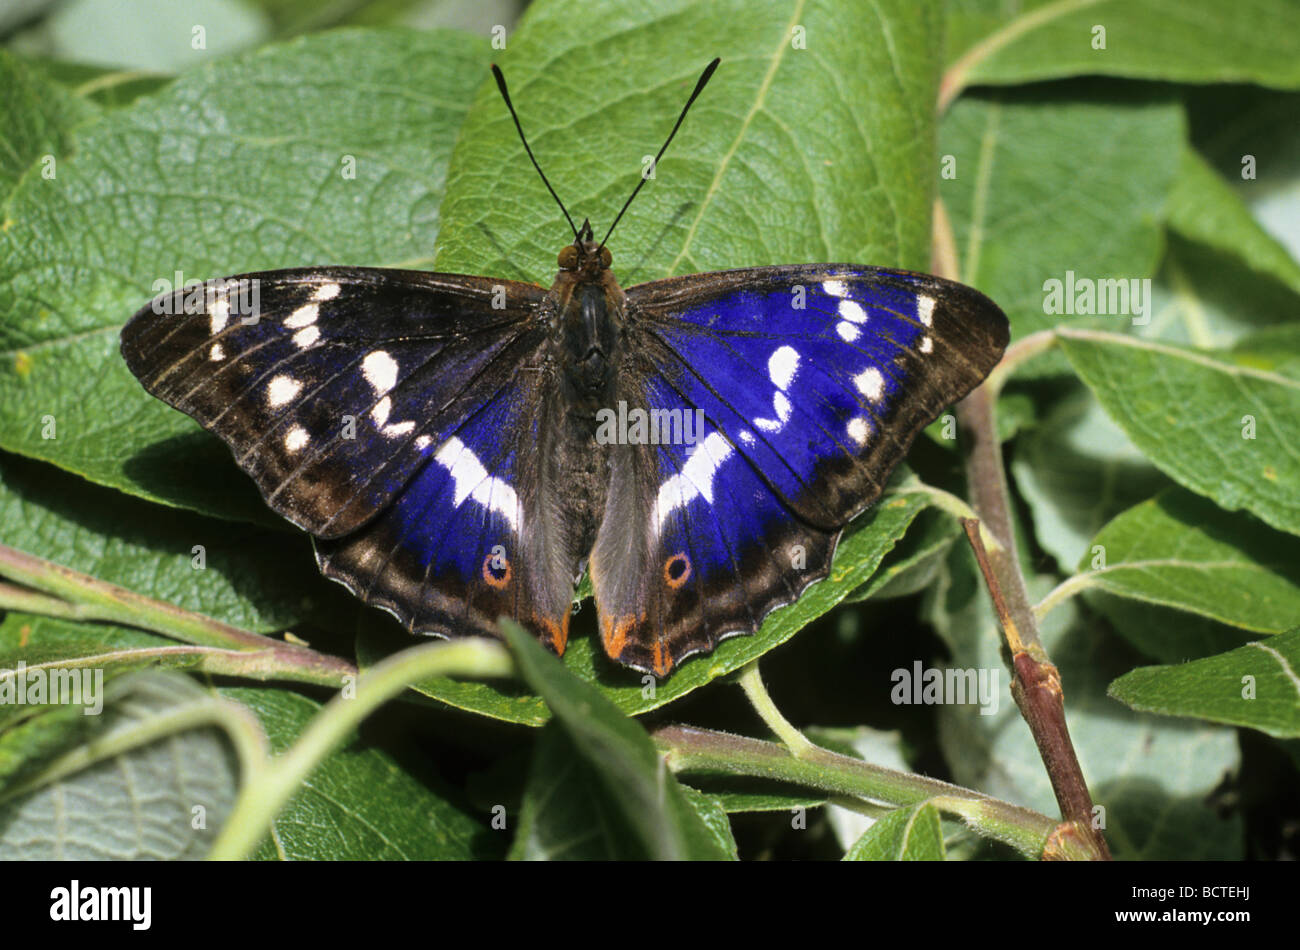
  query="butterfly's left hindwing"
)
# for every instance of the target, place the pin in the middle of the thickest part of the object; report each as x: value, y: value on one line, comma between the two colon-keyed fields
x: 812, y: 382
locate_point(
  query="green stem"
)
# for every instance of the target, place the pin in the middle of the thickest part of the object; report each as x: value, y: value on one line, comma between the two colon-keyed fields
x: 690, y: 750
x: 73, y: 595
x: 270, y: 787
x: 751, y: 681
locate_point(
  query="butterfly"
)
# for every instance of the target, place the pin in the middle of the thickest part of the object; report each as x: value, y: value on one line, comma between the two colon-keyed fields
x: 463, y: 448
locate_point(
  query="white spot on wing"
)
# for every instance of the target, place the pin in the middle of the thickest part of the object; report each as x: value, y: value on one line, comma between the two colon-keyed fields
x: 380, y: 371
x: 847, y: 331
x: 870, y: 383
x: 422, y: 442
x: 473, y: 481
x: 381, y: 411
x: 782, y: 365
x: 695, y: 480
x: 850, y: 310
x: 216, y: 354
x: 306, y: 337
x: 859, y: 429
x: 296, y: 438
x: 782, y: 406
x: 399, y: 428
x: 282, y: 389
x: 326, y: 292
x: 304, y: 316
x: 925, y: 310
x: 927, y: 344
x: 836, y: 288
x: 219, y: 314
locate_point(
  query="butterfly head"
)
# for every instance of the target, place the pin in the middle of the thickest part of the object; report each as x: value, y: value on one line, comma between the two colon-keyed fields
x: 584, y: 257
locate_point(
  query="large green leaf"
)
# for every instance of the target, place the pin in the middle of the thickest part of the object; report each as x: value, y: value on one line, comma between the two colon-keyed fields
x: 791, y: 154
x: 236, y: 166
x: 994, y: 41
x: 1222, y: 429
x: 657, y: 813
x: 1255, y: 685
x: 1024, y: 210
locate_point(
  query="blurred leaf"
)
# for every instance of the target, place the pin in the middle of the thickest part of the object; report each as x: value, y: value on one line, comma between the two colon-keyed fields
x: 235, y: 166
x: 657, y: 813
x: 162, y: 800
x: 905, y: 834
x: 1254, y: 685
x: 152, y: 34
x: 359, y: 803
x: 1223, y: 430
x: 1191, y: 41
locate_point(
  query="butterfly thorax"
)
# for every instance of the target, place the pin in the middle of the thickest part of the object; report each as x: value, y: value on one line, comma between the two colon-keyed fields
x: 587, y: 306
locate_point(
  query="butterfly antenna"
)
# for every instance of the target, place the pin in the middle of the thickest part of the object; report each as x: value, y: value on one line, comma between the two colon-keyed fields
x: 699, y: 88
x: 501, y: 84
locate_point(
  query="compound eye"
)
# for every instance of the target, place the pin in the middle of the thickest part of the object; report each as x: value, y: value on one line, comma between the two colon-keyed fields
x: 606, y: 258
x: 568, y: 257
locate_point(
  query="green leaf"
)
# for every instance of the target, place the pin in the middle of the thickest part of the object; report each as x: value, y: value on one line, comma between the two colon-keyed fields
x: 861, y: 549
x: 914, y: 562
x: 1255, y: 685
x: 1024, y: 210
x: 650, y: 803
x: 1076, y: 470
x: 36, y: 120
x: 1180, y: 550
x: 219, y: 182
x: 1204, y: 208
x: 1221, y: 429
x: 1199, y: 41
x: 905, y: 834
x: 162, y: 800
x: 758, y: 174
x: 359, y: 803
x: 249, y: 577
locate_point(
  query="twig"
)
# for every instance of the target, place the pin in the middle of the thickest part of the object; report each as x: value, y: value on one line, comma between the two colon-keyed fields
x: 1036, y: 688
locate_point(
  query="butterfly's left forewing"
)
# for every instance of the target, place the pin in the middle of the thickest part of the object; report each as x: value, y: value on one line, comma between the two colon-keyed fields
x: 812, y: 382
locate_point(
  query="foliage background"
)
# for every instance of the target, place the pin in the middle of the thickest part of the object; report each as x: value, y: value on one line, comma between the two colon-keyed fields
x: 1125, y: 162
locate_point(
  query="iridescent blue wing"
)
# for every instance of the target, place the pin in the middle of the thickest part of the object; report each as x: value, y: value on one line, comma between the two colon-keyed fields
x: 812, y: 382
x: 380, y: 411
